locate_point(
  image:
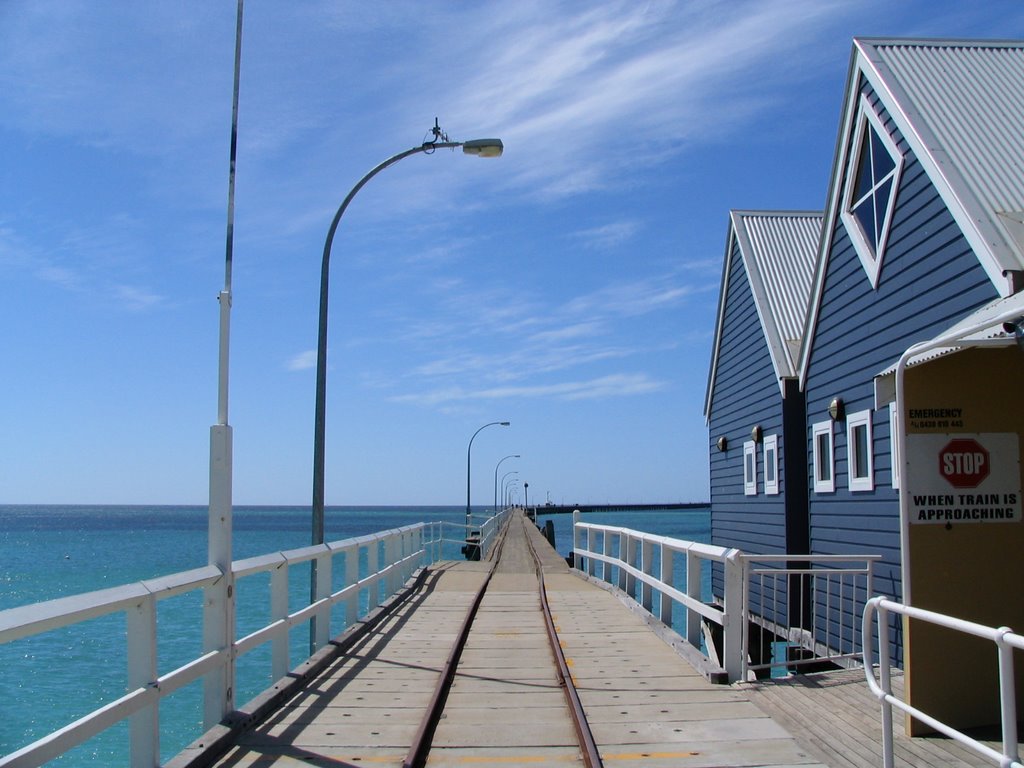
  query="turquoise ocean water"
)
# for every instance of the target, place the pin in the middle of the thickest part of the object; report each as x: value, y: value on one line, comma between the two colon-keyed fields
x: 48, y: 552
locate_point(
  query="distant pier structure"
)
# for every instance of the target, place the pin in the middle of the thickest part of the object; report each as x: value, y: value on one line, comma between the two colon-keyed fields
x: 561, y: 509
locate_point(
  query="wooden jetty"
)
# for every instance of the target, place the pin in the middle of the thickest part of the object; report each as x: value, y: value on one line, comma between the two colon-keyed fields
x: 643, y: 704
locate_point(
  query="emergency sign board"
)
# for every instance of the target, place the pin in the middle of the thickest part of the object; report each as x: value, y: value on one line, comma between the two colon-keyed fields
x: 964, y: 478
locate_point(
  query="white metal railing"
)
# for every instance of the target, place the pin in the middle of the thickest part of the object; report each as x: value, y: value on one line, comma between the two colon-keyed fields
x: 1005, y: 641
x: 391, y: 557
x: 627, y: 558
x: 807, y: 608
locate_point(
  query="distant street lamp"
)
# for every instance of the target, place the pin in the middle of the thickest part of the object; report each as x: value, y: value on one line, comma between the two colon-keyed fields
x: 510, y: 490
x: 526, y: 498
x: 469, y: 452
x: 504, y: 494
x: 512, y: 456
x: 478, y: 147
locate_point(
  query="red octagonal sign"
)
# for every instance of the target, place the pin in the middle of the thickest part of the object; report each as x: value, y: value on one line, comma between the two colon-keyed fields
x: 964, y: 462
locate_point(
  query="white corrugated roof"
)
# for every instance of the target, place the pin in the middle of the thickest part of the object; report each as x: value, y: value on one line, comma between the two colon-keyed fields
x: 778, y: 250
x: 963, y: 103
x: 959, y: 104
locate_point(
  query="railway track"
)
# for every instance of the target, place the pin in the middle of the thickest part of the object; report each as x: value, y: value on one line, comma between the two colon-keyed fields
x: 418, y: 754
x: 464, y: 667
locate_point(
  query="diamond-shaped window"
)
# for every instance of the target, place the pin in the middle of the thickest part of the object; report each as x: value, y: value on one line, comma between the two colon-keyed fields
x: 870, y: 195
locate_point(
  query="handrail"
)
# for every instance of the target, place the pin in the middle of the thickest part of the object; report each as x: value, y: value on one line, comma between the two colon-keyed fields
x: 636, y: 578
x: 405, y: 549
x: 1005, y: 640
x: 821, y: 583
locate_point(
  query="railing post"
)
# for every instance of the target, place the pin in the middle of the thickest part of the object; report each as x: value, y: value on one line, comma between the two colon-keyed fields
x: 591, y: 547
x: 631, y: 559
x: 885, y: 683
x: 142, y: 673
x: 1007, y: 691
x: 323, y: 591
x: 606, y: 567
x: 391, y: 544
x: 623, y: 558
x: 735, y: 621
x: 576, y: 539
x: 372, y: 567
x: 647, y: 566
x: 693, y: 590
x: 665, y: 609
x: 279, y: 611
x: 351, y: 577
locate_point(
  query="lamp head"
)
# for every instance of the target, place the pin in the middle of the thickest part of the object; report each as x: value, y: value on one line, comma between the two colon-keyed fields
x: 504, y: 423
x: 1016, y: 329
x: 483, y: 147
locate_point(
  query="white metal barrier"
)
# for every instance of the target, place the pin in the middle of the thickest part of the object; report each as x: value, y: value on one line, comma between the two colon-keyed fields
x: 391, y: 558
x: 808, y: 608
x: 631, y: 555
x: 1005, y: 641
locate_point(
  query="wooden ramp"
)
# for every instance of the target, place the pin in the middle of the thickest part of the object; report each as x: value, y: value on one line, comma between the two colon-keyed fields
x: 646, y: 706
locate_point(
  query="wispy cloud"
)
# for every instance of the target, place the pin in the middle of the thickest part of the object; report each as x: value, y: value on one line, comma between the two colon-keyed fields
x: 303, y: 361
x: 136, y: 299
x: 616, y: 385
x: 586, y: 97
x: 609, y: 235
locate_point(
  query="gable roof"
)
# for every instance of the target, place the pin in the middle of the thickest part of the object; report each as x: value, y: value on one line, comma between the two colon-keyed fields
x: 959, y: 104
x: 777, y: 249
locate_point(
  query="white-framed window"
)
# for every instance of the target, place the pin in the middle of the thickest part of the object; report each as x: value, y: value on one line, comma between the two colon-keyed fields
x: 860, y: 450
x: 869, y: 198
x: 750, y: 468
x: 894, y: 444
x: 824, y: 461
x: 771, y: 465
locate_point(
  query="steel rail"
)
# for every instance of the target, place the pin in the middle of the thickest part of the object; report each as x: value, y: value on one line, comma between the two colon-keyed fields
x: 588, y: 746
x: 422, y: 741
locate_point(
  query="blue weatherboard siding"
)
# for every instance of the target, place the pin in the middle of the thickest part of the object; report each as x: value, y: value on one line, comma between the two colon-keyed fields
x: 929, y: 279
x: 746, y: 393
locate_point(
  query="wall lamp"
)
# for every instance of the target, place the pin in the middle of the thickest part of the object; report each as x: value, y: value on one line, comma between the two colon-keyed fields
x: 836, y: 409
x: 723, y: 443
x: 756, y: 434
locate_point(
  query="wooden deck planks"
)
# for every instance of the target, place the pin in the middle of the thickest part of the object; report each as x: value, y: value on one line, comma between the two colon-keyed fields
x: 647, y: 706
x: 835, y: 717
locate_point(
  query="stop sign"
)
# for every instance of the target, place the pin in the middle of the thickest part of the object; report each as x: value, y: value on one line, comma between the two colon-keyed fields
x: 964, y: 462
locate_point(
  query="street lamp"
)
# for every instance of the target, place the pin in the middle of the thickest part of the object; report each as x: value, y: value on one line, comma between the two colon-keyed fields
x: 506, y: 488
x: 478, y: 147
x: 469, y: 452
x: 504, y: 495
x: 512, y: 456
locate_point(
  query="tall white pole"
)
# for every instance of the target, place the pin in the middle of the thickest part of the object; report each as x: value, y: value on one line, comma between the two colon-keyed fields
x: 219, y: 605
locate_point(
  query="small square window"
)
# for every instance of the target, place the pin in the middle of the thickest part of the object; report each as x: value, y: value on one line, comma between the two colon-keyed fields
x: 858, y: 445
x: 750, y: 468
x: 824, y: 465
x: 771, y: 464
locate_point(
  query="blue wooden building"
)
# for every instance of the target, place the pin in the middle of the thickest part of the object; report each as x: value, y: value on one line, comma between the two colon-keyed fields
x: 907, y: 361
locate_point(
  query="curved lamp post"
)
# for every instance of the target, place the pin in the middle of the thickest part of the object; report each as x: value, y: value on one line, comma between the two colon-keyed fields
x: 508, y: 488
x: 478, y: 147
x: 469, y: 452
x: 511, y: 456
x: 504, y: 494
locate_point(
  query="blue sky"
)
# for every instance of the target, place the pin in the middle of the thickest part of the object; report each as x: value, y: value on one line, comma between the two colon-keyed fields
x: 568, y: 287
